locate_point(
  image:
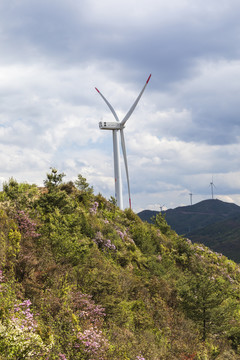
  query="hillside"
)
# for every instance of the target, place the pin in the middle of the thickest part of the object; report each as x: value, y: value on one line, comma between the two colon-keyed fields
x: 186, y: 219
x: 213, y: 223
x: 82, y: 280
x: 223, y: 237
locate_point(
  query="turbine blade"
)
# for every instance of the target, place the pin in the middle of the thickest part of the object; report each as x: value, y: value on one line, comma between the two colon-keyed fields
x: 126, y: 165
x: 109, y: 105
x: 127, y: 116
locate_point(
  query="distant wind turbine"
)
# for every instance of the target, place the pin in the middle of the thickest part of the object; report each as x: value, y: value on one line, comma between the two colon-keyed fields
x: 191, y: 195
x: 117, y: 126
x: 161, y: 208
x: 212, y: 186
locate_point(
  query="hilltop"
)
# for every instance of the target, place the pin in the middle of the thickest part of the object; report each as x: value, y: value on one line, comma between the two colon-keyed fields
x: 212, y: 222
x: 82, y: 280
x: 185, y: 219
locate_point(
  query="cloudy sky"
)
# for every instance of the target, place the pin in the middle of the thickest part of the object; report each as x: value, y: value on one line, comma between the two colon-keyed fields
x: 185, y: 130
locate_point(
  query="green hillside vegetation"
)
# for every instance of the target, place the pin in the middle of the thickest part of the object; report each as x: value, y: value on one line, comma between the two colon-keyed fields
x: 82, y: 280
x: 222, y: 237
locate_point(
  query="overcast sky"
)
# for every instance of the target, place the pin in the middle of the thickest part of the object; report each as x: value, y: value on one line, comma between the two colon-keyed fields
x: 185, y: 130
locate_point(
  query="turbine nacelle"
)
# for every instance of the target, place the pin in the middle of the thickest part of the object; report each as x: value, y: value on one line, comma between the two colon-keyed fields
x: 104, y: 125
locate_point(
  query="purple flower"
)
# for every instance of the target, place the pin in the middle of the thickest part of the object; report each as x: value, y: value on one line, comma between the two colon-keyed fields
x: 1, y: 276
x: 26, y: 225
x: 159, y: 258
x: 122, y: 234
x: 23, y: 316
x: 93, y: 209
x: 62, y: 356
x: 95, y: 344
x: 102, y: 243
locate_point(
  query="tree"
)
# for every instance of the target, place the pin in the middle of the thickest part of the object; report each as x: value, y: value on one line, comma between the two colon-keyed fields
x: 11, y: 188
x: 81, y: 184
x: 53, y: 179
x: 206, y: 301
x: 55, y: 197
x: 162, y: 224
x: 86, y: 192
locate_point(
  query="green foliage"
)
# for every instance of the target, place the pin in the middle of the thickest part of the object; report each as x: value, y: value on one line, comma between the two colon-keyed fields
x: 82, y: 184
x: 95, y: 282
x: 20, y: 195
x: 162, y: 224
x: 113, y: 201
x: 17, y: 342
x: 14, y: 238
x: 85, y: 191
x: 53, y: 179
x: 205, y: 299
x: 11, y: 189
x: 65, y: 237
x: 146, y: 237
x: 10, y: 238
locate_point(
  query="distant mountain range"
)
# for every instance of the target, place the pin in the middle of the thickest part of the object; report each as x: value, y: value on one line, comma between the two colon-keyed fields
x: 213, y: 223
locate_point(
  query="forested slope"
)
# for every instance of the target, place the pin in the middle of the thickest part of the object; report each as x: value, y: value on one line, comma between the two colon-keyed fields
x: 80, y: 279
x: 186, y: 219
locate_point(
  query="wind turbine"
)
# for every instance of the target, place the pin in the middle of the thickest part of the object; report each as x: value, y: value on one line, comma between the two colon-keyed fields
x: 191, y: 195
x: 117, y: 126
x: 212, y: 185
x: 161, y: 208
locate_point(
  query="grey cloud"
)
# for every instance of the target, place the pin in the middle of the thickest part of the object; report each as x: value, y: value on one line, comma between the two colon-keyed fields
x: 65, y: 48
x: 66, y: 30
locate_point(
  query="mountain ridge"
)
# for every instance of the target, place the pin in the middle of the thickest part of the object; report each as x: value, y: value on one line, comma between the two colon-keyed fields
x: 202, y: 223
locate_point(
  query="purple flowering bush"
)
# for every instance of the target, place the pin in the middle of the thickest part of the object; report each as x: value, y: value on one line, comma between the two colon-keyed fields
x: 103, y: 243
x: 86, y: 309
x: 23, y: 316
x: 18, y: 331
x: 94, y: 343
x: 93, y: 209
x: 26, y: 225
x: 78, y: 321
x: 122, y: 234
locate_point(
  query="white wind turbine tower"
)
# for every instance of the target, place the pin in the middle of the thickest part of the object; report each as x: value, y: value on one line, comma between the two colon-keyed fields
x: 117, y: 126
